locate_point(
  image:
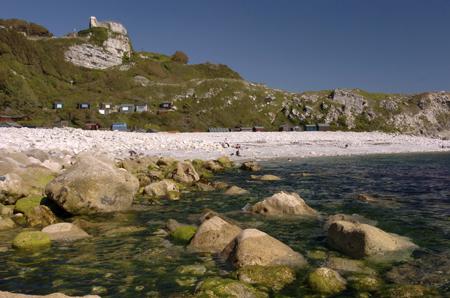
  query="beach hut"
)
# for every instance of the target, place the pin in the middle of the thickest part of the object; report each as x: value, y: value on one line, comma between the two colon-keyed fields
x: 140, y: 108
x: 92, y: 126
x: 126, y: 108
x: 84, y: 106
x: 323, y: 127
x: 298, y: 128
x: 166, y: 105
x: 258, y: 128
x: 57, y: 105
x: 106, y: 106
x: 120, y: 126
x: 218, y: 129
x: 310, y: 127
x: 285, y: 127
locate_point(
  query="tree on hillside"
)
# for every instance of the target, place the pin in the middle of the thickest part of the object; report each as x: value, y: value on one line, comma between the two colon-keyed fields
x: 180, y: 57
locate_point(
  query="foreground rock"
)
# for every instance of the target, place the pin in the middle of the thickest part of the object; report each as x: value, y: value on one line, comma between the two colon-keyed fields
x: 283, y: 203
x: 93, y: 185
x: 274, y: 277
x: 31, y: 240
x: 326, y: 281
x: 362, y: 240
x: 54, y: 295
x: 65, y: 232
x: 213, y: 235
x: 221, y: 287
x: 253, y: 247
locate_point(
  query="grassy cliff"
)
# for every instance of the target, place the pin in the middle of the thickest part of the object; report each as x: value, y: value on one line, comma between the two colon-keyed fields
x: 34, y: 74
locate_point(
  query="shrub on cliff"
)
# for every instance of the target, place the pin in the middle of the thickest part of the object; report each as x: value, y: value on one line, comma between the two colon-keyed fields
x: 180, y: 57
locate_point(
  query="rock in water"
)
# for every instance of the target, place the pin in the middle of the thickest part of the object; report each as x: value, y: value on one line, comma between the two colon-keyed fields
x: 283, y: 203
x: 265, y: 177
x: 185, y: 173
x: 40, y: 216
x: 251, y: 166
x: 222, y: 287
x: 31, y: 240
x: 235, y: 191
x: 253, y: 247
x: 93, y: 185
x: 213, y: 235
x: 326, y: 281
x: 65, y: 232
x: 361, y: 240
x: 161, y: 189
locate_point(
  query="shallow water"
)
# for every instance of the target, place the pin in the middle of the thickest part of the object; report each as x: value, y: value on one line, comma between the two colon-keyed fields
x: 413, y: 193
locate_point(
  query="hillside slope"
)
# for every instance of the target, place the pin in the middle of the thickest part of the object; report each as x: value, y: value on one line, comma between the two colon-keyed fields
x: 34, y: 73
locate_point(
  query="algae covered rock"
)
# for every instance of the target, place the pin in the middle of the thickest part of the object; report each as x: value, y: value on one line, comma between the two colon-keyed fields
x: 365, y: 283
x: 25, y: 204
x: 274, y: 277
x: 195, y: 269
x: 251, y: 166
x: 216, y: 287
x: 65, y: 232
x: 254, y: 247
x: 284, y: 203
x: 213, y: 235
x: 185, y: 173
x: 410, y: 291
x: 93, y: 185
x: 31, y: 240
x: 344, y: 265
x: 183, y: 233
x: 326, y: 281
x: 225, y: 162
x: 162, y: 189
x: 40, y: 216
x: 362, y: 240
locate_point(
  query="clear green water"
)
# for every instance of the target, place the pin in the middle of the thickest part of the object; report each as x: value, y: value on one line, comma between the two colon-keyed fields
x: 414, y: 201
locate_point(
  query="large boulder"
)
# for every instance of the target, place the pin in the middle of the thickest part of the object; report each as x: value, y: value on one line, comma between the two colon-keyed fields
x: 185, y: 173
x: 284, y: 203
x: 253, y: 247
x: 216, y: 287
x: 213, y: 235
x: 162, y: 189
x: 93, y: 185
x: 65, y: 232
x: 361, y: 240
x: 31, y: 240
x: 326, y: 281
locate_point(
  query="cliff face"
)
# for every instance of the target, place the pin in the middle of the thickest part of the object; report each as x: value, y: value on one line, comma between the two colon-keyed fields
x: 35, y: 73
x: 111, y: 46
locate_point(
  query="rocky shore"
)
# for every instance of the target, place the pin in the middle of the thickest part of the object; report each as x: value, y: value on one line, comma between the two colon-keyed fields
x: 261, y: 145
x: 42, y: 193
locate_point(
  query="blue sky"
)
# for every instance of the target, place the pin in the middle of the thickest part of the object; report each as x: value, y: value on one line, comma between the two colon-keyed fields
x: 383, y: 45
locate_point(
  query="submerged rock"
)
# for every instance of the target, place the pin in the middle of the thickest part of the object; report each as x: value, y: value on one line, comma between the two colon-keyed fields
x: 365, y: 283
x: 93, y: 185
x: 274, y: 277
x: 265, y: 177
x: 195, y: 269
x: 362, y: 240
x: 326, y: 281
x: 254, y: 247
x: 31, y: 240
x: 223, y: 287
x: 251, y: 166
x: 410, y: 291
x: 213, y: 235
x: 283, y: 203
x: 343, y: 265
x: 235, y: 191
x: 65, y: 232
x: 54, y: 295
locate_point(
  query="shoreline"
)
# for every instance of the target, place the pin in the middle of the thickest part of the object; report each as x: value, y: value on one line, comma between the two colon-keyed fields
x: 254, y: 145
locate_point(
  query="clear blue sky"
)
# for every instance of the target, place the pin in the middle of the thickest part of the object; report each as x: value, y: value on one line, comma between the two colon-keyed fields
x: 382, y: 45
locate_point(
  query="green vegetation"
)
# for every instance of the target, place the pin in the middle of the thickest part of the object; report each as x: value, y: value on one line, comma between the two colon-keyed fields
x: 31, y: 240
x: 96, y: 35
x: 30, y: 29
x: 26, y: 204
x: 183, y: 233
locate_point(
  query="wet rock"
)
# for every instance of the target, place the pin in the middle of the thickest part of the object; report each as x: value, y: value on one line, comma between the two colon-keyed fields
x: 362, y: 240
x: 354, y: 218
x: 195, y: 269
x: 54, y: 295
x: 31, y: 240
x: 6, y: 223
x: 225, y: 162
x: 326, y: 281
x: 343, y: 265
x: 40, y: 216
x: 410, y: 291
x: 213, y: 235
x: 366, y: 198
x: 251, y: 166
x: 235, y: 191
x: 265, y: 178
x: 65, y: 232
x: 284, y: 203
x: 25, y: 204
x: 253, y: 247
x: 185, y: 173
x: 221, y: 287
x: 365, y: 283
x: 204, y: 186
x: 162, y: 189
x: 274, y: 277
x: 93, y: 185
